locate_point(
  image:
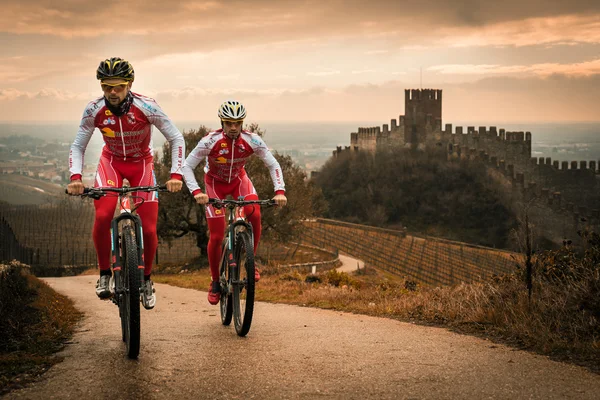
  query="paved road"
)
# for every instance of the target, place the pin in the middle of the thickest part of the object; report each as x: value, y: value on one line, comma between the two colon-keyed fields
x: 290, y: 353
x: 349, y: 264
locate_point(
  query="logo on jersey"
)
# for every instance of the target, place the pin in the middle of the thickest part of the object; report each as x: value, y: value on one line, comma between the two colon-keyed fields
x: 111, y: 183
x: 108, y: 132
x: 221, y: 160
x: 149, y: 107
x: 108, y: 113
x: 130, y: 117
x: 242, y: 148
x: 109, y: 121
x: 90, y: 110
x: 209, y: 143
x: 224, y: 151
x: 255, y: 142
x: 218, y: 211
x: 223, y: 144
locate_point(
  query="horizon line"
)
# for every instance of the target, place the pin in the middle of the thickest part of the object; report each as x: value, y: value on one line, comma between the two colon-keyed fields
x: 299, y: 122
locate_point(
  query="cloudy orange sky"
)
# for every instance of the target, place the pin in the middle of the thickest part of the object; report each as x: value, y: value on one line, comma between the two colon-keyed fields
x: 304, y: 60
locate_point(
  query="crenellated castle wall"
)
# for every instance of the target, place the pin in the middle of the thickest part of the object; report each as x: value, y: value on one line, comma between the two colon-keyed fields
x: 571, y: 190
x: 512, y: 147
x: 577, y: 181
x: 564, y: 197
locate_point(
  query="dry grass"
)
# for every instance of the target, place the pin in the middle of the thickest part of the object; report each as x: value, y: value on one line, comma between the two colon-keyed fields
x: 562, y: 319
x: 199, y: 280
x: 36, y: 321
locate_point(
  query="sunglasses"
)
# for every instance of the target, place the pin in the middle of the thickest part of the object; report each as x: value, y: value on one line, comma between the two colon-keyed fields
x: 119, y: 87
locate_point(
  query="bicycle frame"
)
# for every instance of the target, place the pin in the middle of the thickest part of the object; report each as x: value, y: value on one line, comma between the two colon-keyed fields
x: 235, y: 218
x: 126, y: 215
x: 236, y: 274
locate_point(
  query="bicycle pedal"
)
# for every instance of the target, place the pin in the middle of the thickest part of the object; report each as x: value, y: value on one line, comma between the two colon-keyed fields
x: 111, y: 285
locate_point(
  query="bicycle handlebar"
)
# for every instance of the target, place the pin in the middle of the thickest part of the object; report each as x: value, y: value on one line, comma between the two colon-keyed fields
x: 102, y: 191
x: 218, y: 203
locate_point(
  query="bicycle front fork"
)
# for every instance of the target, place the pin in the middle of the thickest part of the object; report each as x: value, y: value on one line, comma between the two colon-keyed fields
x: 118, y: 256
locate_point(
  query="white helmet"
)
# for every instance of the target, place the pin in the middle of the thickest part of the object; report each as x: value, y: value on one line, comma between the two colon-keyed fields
x: 232, y: 110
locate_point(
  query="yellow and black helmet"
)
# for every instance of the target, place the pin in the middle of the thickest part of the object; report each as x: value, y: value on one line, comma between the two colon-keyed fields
x: 115, y: 67
x: 232, y: 110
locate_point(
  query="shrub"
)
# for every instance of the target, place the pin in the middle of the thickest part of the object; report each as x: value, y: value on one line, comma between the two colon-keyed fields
x: 15, y: 296
x: 336, y: 278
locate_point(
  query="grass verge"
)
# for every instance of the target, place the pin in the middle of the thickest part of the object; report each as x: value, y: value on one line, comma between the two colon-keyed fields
x: 560, y: 320
x: 36, y: 321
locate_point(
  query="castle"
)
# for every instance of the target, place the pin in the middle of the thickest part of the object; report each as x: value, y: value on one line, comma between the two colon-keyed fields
x: 568, y: 193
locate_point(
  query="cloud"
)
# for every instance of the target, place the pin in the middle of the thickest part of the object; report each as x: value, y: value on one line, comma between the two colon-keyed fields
x: 58, y: 43
x: 559, y: 30
x: 375, y: 52
x: 202, y: 25
x: 363, y: 71
x: 12, y: 94
x: 323, y: 73
x: 587, y: 68
x: 546, y: 69
x: 496, y: 99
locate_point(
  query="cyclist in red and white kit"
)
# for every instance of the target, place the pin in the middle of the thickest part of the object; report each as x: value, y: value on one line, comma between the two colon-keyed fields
x: 125, y: 121
x: 225, y: 152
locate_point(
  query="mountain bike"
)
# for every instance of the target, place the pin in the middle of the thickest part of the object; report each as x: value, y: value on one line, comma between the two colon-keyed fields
x: 236, y: 272
x: 127, y: 247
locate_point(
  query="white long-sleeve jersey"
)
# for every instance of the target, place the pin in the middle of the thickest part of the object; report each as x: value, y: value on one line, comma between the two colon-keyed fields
x: 225, y: 159
x: 128, y: 137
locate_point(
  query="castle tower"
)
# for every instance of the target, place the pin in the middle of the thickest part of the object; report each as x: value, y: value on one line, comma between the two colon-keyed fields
x: 422, y: 109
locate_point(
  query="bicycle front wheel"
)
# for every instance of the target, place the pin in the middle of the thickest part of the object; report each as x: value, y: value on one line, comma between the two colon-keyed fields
x: 243, y: 283
x: 131, y: 277
x: 226, y: 302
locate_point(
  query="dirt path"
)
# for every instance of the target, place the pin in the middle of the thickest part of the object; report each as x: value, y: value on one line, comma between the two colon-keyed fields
x: 290, y: 353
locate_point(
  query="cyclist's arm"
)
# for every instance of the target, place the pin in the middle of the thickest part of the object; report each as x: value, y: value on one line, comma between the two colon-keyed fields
x: 158, y: 118
x: 261, y: 150
x: 84, y: 134
x: 199, y: 153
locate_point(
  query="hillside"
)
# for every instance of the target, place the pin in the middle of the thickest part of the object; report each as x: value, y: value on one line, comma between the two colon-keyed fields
x: 418, y: 190
x: 20, y: 189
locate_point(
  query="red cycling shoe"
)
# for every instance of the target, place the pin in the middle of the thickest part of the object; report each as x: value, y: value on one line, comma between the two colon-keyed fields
x: 214, y: 293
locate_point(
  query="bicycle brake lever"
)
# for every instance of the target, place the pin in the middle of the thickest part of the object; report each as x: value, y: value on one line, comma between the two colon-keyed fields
x: 215, y: 203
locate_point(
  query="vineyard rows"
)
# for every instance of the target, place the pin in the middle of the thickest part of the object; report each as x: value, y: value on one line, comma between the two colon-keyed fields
x: 61, y: 233
x: 426, y: 260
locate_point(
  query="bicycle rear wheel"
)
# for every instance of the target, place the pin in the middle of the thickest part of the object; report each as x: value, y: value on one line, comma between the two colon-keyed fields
x: 243, y: 283
x: 226, y: 302
x: 131, y: 277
